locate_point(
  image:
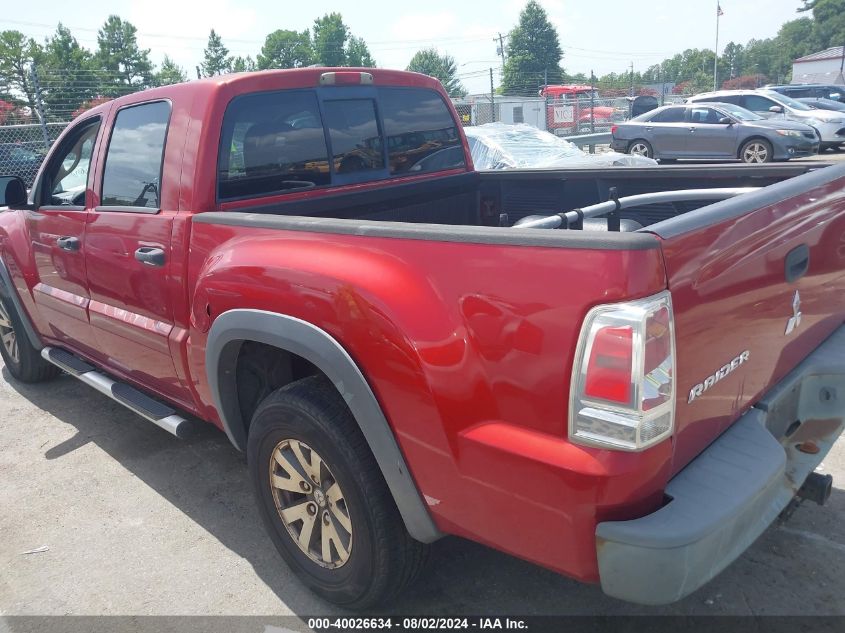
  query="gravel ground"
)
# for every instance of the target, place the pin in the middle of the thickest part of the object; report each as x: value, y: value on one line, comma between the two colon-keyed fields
x: 135, y: 522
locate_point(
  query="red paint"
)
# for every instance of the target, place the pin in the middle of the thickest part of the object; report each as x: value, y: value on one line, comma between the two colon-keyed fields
x: 573, y: 109
x: 468, y: 347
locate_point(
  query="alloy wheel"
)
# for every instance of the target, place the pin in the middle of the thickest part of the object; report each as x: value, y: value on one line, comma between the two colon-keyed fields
x: 7, y: 334
x: 640, y: 149
x: 755, y: 153
x: 310, y: 503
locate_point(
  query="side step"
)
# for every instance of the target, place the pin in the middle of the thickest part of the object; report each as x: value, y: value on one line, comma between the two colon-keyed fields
x: 156, y: 412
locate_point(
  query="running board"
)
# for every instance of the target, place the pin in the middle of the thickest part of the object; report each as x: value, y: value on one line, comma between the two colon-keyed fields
x: 156, y: 412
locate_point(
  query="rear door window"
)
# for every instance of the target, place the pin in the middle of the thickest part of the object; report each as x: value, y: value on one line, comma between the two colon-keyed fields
x: 132, y: 174
x: 669, y: 115
x: 756, y: 103
x: 272, y: 142
x: 421, y: 133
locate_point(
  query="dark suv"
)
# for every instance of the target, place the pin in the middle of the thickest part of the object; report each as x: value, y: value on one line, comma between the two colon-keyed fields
x: 798, y: 91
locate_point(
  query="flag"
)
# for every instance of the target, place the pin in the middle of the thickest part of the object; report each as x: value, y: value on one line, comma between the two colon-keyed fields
x: 719, y: 12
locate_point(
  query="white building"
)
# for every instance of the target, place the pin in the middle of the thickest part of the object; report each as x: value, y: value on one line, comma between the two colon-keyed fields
x: 824, y: 67
x: 475, y: 110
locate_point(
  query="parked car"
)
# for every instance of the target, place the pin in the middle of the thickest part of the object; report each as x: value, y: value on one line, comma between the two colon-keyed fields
x: 504, y: 146
x: 713, y: 130
x: 629, y: 400
x: 830, y: 126
x: 821, y: 91
x: 823, y: 104
x: 18, y: 160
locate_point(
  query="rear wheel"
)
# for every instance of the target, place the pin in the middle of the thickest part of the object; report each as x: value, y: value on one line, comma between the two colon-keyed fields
x: 323, y: 499
x: 756, y: 150
x: 19, y: 355
x: 641, y: 148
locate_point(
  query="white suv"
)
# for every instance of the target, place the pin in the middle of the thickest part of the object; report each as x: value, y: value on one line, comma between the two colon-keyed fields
x: 829, y: 124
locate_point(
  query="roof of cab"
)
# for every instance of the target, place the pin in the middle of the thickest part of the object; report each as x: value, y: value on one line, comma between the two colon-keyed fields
x: 265, y: 80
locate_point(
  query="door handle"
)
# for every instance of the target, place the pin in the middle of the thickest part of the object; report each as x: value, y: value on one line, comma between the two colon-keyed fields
x: 797, y: 262
x: 68, y: 243
x: 692, y: 129
x: 150, y: 256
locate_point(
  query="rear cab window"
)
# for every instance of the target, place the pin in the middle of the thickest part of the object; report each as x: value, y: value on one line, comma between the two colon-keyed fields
x: 132, y: 172
x: 285, y: 141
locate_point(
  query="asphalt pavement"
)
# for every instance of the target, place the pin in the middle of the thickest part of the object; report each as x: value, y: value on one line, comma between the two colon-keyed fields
x: 102, y: 513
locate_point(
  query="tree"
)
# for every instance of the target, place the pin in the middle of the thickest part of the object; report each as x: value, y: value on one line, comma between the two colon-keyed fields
x: 65, y: 74
x: 745, y: 82
x: 170, y: 73
x: 17, y: 53
x: 330, y: 35
x: 286, y: 49
x: 358, y: 53
x: 442, y: 67
x: 216, y: 60
x: 534, y: 53
x: 829, y: 17
x: 126, y: 66
x: 93, y: 103
x: 243, y: 64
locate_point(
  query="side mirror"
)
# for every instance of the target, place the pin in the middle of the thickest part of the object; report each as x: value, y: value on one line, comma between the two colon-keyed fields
x: 776, y: 109
x: 726, y: 121
x: 12, y: 192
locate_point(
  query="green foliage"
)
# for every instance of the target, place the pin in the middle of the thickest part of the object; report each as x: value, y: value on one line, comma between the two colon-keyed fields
x: 67, y: 72
x: 330, y: 35
x: 216, y: 59
x: 170, y: 73
x: 533, y: 53
x: 17, y: 53
x: 442, y: 67
x: 358, y: 54
x: 243, y: 64
x: 286, y: 49
x: 127, y: 67
x: 829, y: 16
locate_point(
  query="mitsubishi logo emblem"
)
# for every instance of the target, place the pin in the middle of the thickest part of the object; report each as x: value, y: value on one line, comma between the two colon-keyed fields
x: 795, y: 319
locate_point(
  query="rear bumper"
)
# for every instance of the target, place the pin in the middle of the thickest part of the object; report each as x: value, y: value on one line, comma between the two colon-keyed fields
x: 618, y: 145
x: 723, y: 500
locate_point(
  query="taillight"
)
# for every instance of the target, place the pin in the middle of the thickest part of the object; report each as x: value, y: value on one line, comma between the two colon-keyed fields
x: 623, y: 380
x: 613, y: 129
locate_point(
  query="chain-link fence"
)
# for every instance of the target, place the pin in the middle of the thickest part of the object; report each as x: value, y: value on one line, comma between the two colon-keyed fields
x: 23, y: 147
x: 561, y: 117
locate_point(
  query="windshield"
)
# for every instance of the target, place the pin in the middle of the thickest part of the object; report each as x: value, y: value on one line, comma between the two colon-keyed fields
x: 788, y: 101
x: 739, y: 113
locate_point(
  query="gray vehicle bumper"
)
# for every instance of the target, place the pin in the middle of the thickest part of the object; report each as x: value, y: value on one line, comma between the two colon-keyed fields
x: 725, y: 498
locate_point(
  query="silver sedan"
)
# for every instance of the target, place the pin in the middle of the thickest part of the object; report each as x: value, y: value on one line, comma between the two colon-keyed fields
x: 713, y: 131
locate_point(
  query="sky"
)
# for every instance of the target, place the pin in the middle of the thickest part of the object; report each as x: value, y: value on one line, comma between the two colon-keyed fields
x: 600, y: 35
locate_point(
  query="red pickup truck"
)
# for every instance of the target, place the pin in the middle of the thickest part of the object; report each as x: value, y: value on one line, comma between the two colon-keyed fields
x: 623, y: 375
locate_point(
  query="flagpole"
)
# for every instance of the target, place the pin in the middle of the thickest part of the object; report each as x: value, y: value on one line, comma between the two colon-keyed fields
x: 716, y: 57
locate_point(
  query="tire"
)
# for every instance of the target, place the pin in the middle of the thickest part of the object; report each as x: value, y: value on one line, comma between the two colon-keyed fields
x: 307, y: 423
x: 641, y: 147
x: 756, y: 151
x: 22, y: 360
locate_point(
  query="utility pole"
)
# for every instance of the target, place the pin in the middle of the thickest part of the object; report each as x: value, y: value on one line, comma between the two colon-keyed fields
x: 492, y: 99
x: 502, y: 49
x: 632, y: 79
x: 592, y: 104
x: 716, y: 51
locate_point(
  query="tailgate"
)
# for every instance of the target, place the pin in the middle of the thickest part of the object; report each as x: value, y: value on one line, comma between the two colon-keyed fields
x: 757, y: 283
